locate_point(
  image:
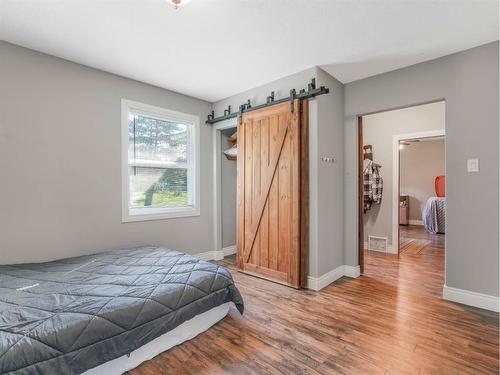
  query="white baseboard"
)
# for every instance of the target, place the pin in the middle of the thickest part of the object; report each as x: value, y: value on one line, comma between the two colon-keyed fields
x: 314, y: 283
x: 467, y: 297
x: 207, y: 255
x: 229, y: 250
x: 217, y: 254
x: 415, y: 222
x: 352, y: 271
x: 210, y: 255
x: 318, y: 283
x: 389, y: 249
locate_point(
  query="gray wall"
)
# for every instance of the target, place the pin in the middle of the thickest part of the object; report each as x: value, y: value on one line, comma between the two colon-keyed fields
x: 468, y: 81
x: 420, y: 163
x: 325, y: 139
x: 258, y: 95
x: 378, y: 131
x: 330, y: 196
x: 60, y: 159
x: 61, y: 167
x: 66, y: 119
x: 228, y: 193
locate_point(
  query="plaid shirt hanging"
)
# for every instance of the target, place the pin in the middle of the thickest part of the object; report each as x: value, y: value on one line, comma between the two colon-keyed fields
x: 373, y: 185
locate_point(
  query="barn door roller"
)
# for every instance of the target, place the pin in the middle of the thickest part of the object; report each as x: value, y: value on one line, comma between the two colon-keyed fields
x: 311, y: 92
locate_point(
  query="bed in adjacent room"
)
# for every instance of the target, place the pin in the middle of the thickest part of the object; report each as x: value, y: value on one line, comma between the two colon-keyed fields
x: 108, y: 312
x: 434, y: 212
x: 434, y: 215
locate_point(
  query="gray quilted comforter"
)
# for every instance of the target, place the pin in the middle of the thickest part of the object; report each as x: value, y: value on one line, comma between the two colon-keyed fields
x: 70, y: 315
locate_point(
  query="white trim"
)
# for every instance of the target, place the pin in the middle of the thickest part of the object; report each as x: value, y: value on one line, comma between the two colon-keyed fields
x: 351, y: 271
x: 210, y: 255
x: 415, y: 222
x: 207, y: 255
x: 217, y: 200
x: 395, y: 173
x: 145, y: 214
x: 229, y: 250
x: 467, y: 297
x: 318, y: 283
x: 217, y: 254
x: 391, y: 249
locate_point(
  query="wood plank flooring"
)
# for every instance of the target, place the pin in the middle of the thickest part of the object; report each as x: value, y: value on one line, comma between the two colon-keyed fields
x: 412, y: 245
x: 420, y: 273
x: 391, y: 320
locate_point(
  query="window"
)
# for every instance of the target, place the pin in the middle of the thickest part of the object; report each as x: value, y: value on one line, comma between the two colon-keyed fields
x: 160, y: 169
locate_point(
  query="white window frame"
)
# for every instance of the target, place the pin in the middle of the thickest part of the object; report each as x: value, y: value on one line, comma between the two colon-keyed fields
x: 159, y: 213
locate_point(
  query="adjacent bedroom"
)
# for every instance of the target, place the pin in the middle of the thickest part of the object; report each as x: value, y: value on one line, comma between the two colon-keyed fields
x: 404, y: 174
x: 249, y: 187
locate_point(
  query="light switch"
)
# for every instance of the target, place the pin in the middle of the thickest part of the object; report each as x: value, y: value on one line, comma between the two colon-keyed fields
x: 472, y: 165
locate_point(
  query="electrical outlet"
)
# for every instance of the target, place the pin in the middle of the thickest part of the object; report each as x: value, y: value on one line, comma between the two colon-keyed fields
x: 472, y: 165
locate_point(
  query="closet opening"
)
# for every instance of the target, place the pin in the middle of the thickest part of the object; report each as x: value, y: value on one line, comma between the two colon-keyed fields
x: 224, y: 189
x: 228, y: 189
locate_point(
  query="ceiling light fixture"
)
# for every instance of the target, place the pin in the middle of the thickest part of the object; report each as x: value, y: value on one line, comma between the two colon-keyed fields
x: 178, y: 3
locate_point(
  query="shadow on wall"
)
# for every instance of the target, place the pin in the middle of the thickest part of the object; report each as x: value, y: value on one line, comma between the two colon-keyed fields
x: 372, y: 214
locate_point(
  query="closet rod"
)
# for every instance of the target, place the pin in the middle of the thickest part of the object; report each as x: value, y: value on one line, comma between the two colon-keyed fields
x: 311, y: 92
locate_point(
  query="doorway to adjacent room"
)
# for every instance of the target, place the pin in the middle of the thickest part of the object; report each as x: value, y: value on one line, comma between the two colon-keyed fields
x: 401, y: 214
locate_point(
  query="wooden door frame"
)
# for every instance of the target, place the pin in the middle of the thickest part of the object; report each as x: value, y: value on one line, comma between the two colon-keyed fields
x: 304, y: 192
x: 361, y: 235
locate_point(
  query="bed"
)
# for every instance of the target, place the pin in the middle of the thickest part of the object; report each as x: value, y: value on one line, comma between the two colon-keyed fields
x: 106, y: 313
x: 434, y: 215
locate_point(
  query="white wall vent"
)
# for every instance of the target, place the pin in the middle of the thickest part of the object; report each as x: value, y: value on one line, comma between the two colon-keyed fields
x: 377, y: 243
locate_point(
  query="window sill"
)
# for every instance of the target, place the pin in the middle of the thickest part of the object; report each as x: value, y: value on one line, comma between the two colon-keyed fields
x: 159, y: 214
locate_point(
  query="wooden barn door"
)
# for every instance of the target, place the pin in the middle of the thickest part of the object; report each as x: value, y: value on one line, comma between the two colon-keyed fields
x: 271, y: 235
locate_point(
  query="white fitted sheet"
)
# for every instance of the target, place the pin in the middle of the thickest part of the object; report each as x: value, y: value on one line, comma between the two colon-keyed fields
x: 186, y: 331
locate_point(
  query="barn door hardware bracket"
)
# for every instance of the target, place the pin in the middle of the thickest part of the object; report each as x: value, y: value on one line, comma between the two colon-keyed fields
x: 270, y: 98
x: 293, y: 95
x: 312, y: 92
x: 312, y: 85
x: 211, y: 116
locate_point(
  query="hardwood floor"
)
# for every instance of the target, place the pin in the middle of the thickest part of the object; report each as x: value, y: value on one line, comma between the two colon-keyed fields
x: 420, y: 273
x: 414, y: 238
x: 391, y: 320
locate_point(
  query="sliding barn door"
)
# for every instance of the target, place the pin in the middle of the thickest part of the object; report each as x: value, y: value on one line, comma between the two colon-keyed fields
x: 269, y: 193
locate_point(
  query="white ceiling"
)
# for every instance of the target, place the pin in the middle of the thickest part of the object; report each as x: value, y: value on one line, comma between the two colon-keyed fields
x: 212, y: 49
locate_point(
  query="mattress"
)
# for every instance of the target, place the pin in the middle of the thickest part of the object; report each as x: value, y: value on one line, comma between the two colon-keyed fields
x: 186, y: 331
x: 434, y: 215
x: 72, y: 315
